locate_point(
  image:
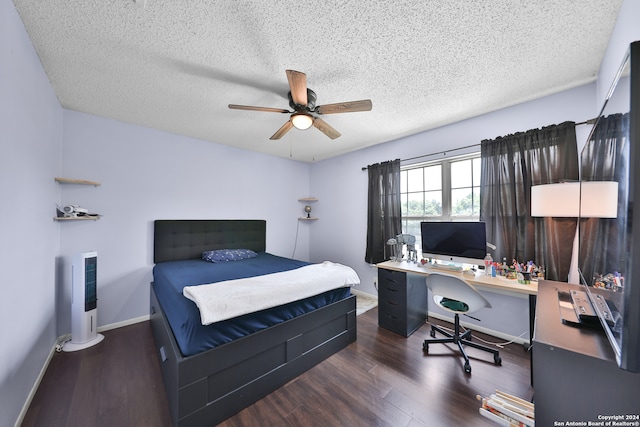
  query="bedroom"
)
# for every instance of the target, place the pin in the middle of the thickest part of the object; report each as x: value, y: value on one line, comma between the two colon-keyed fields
x: 42, y: 140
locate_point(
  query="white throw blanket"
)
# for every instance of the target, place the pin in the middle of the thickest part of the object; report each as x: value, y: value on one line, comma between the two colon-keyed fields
x: 231, y: 298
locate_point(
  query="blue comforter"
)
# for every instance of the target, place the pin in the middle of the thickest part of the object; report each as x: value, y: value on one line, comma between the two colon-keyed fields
x: 183, y: 315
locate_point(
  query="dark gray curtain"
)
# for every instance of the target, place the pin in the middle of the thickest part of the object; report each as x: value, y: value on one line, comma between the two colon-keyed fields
x: 510, y: 166
x: 604, y: 159
x: 384, y: 216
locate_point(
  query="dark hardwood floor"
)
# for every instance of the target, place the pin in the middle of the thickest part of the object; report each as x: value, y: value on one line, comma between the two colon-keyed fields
x: 382, y: 379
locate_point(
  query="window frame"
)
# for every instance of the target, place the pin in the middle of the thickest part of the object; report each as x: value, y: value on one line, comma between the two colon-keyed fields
x: 445, y: 189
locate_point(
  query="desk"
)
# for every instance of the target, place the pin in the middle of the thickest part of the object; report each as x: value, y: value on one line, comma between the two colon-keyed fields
x: 402, y: 297
x: 480, y: 281
x: 499, y: 285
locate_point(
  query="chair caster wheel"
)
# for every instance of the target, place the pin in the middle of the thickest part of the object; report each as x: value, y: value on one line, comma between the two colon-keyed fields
x: 432, y: 333
x: 497, y: 360
x: 467, y: 368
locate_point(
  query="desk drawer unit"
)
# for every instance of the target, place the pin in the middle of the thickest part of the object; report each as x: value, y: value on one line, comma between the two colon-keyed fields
x: 402, y: 301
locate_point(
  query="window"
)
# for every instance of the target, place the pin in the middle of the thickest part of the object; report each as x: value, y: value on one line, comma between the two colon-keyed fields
x: 446, y: 190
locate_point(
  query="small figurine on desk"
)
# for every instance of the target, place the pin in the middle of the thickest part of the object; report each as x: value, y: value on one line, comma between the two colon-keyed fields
x: 397, y: 247
x: 612, y: 281
x: 410, y: 241
x: 393, y: 245
x: 528, y: 271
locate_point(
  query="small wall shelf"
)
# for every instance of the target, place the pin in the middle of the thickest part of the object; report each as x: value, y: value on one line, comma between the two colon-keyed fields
x: 77, y: 218
x: 76, y: 182
x: 307, y: 200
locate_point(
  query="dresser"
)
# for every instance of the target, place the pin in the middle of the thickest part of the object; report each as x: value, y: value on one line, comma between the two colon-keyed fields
x: 402, y: 301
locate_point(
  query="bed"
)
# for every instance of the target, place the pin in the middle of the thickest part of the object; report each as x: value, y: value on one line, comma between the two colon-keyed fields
x: 209, y: 376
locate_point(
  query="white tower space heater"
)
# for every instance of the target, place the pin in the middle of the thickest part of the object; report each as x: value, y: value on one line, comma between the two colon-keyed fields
x: 84, y: 302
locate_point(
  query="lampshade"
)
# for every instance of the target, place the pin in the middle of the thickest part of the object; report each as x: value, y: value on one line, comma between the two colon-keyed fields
x: 301, y: 121
x: 586, y: 199
x: 556, y: 200
x: 599, y: 199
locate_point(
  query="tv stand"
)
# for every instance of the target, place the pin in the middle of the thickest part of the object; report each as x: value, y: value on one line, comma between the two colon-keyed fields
x: 576, y: 376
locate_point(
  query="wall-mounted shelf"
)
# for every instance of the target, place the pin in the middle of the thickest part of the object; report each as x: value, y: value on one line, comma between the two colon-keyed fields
x: 76, y: 181
x: 77, y: 218
x: 307, y: 200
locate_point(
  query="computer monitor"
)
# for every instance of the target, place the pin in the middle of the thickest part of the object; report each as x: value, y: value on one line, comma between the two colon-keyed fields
x: 454, y: 241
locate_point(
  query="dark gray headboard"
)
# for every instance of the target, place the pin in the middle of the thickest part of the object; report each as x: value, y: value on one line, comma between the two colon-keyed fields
x: 187, y: 239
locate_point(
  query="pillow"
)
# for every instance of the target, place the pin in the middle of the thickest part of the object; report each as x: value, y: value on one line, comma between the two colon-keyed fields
x: 222, y: 255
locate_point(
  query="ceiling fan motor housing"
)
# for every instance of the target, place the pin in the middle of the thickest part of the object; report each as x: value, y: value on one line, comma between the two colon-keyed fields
x: 311, y: 101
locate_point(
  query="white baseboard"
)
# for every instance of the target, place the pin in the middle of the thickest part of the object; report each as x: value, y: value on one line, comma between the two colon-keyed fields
x: 32, y: 393
x: 61, y: 338
x: 124, y: 323
x: 358, y: 292
x: 475, y: 327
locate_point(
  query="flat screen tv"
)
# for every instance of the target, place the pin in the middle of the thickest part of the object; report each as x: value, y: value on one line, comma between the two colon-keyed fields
x: 609, y: 257
x: 454, y: 242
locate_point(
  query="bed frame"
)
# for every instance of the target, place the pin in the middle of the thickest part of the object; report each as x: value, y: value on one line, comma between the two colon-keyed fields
x: 206, y: 388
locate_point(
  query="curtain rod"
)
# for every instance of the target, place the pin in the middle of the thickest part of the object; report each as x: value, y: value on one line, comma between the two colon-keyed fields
x: 364, y: 168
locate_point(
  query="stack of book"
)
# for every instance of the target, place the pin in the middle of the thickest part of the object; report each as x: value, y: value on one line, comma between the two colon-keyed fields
x: 507, y: 410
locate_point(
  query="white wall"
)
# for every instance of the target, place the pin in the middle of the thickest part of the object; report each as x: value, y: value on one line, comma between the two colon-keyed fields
x: 626, y: 31
x: 146, y: 174
x: 30, y: 144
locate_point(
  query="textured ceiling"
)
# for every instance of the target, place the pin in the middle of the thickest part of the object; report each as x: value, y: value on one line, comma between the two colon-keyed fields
x: 176, y: 65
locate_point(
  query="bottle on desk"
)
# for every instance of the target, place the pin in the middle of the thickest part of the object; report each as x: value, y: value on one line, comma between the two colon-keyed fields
x: 488, y: 261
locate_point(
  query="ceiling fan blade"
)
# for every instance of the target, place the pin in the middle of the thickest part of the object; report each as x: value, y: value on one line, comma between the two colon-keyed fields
x: 298, y: 86
x: 284, y: 129
x: 252, y: 108
x: 325, y: 128
x: 345, y: 107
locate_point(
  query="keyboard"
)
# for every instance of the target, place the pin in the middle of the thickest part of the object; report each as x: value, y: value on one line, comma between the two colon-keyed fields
x: 446, y: 267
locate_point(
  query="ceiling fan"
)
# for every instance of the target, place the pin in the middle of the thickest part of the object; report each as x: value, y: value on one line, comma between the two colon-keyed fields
x: 303, y: 102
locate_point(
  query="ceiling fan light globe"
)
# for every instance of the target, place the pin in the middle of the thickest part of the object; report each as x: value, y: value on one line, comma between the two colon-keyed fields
x: 302, y: 121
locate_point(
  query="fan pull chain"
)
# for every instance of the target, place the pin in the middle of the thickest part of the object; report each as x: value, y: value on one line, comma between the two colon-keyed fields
x: 290, y: 146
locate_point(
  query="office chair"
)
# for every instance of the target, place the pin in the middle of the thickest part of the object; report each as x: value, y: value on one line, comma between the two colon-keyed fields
x: 459, y: 297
